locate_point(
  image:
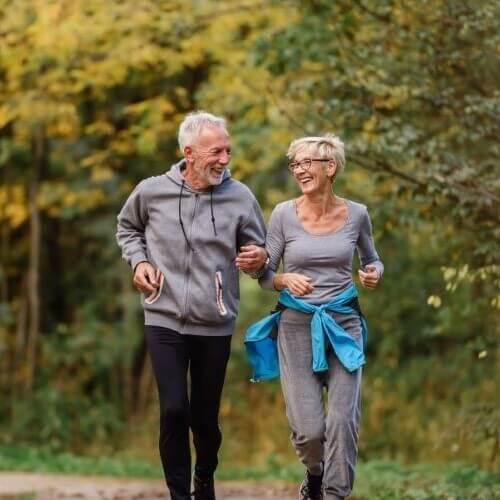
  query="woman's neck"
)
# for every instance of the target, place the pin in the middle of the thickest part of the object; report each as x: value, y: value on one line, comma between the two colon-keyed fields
x: 319, y: 203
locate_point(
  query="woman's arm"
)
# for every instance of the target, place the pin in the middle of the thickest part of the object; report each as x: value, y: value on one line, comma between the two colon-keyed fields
x: 298, y: 284
x: 275, y: 246
x: 372, y: 266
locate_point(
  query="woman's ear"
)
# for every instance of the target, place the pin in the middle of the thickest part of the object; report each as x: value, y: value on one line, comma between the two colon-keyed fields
x: 331, y: 169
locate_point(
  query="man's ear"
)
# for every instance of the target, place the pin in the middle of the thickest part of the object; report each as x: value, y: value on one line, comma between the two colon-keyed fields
x: 188, y: 154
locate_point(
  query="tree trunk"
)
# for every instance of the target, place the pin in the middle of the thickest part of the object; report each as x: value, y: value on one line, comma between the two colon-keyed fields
x: 137, y: 370
x: 128, y: 382
x: 8, y: 374
x: 5, y: 227
x: 39, y: 152
x: 18, y: 375
x: 146, y: 387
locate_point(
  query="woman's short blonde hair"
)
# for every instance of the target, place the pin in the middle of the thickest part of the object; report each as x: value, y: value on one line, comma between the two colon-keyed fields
x: 328, y: 147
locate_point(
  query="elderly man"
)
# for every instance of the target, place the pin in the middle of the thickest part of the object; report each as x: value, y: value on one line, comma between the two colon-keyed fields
x: 186, y: 234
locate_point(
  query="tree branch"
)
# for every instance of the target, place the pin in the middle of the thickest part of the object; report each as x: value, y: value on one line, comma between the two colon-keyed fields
x: 374, y: 164
x: 388, y: 169
x: 208, y: 18
x: 376, y: 15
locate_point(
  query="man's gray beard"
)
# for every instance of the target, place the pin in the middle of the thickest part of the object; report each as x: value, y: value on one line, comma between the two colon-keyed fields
x: 216, y: 182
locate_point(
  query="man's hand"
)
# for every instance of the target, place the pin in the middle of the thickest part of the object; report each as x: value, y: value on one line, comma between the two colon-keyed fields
x: 251, y: 258
x: 145, y: 278
x: 369, y: 277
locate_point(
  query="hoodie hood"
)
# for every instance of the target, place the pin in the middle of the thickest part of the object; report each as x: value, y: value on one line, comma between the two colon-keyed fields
x: 175, y: 175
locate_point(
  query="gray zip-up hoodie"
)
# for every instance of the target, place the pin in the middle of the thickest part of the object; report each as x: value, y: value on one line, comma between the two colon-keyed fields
x: 200, y: 290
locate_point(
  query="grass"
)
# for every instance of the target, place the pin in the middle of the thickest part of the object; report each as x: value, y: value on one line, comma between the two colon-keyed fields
x: 391, y: 481
x: 25, y: 458
x: 379, y: 480
x: 376, y: 480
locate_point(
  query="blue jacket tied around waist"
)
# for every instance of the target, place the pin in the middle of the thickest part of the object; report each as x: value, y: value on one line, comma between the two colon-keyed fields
x: 261, y: 343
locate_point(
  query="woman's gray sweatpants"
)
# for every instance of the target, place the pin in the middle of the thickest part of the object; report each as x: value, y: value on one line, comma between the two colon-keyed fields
x: 317, y: 438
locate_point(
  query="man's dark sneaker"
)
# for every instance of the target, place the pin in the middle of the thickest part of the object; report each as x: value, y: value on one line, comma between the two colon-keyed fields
x: 203, y: 488
x: 311, y: 487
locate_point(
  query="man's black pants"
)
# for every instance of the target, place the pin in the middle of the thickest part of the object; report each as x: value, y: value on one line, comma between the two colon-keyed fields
x: 172, y: 354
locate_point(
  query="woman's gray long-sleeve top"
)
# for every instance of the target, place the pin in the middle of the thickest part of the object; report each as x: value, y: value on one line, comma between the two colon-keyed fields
x: 326, y: 258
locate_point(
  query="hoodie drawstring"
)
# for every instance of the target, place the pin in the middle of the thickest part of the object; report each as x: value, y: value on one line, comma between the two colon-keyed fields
x: 212, y: 210
x: 180, y: 218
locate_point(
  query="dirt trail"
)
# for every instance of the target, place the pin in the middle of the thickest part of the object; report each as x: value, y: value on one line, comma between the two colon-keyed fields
x: 21, y: 485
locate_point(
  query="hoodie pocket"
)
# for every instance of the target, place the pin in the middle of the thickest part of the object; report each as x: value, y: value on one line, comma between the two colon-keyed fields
x: 219, y: 293
x: 154, y: 296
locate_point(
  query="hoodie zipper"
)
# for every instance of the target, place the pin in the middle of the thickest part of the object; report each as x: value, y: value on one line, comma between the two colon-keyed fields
x: 188, y: 261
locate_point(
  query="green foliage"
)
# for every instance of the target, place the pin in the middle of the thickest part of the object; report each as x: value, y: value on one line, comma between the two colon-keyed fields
x: 91, y: 94
x: 412, y: 88
x: 64, y: 419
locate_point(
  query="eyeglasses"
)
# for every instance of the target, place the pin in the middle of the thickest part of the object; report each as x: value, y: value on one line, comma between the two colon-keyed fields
x: 305, y: 163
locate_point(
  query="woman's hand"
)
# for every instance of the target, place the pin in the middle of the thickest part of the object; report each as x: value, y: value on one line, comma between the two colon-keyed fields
x: 369, y: 277
x: 298, y: 284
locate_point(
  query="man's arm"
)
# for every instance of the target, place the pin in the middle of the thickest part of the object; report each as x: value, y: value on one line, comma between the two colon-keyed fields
x: 130, y: 236
x: 252, y: 259
x: 252, y: 256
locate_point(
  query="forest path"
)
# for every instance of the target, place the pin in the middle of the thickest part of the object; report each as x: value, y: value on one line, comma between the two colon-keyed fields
x: 24, y: 485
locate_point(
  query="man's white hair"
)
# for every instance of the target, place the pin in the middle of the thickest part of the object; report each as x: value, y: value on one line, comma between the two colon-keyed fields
x: 191, y: 127
x: 328, y: 147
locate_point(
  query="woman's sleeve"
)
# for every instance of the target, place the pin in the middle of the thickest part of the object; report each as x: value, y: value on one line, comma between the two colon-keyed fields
x: 275, y: 245
x: 366, y: 246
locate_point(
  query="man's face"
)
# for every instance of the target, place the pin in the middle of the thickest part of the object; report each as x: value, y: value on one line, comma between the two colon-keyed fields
x: 209, y: 157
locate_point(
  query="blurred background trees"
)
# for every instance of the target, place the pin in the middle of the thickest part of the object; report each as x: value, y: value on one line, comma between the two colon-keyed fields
x: 91, y: 95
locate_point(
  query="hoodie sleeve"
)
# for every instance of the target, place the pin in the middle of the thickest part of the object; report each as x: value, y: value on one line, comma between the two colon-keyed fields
x: 132, y: 221
x: 253, y: 232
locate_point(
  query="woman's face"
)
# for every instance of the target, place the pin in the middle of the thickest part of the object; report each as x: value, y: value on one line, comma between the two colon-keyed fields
x: 316, y: 177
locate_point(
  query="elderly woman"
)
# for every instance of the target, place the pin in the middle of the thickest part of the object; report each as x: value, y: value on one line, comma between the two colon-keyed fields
x: 321, y: 331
